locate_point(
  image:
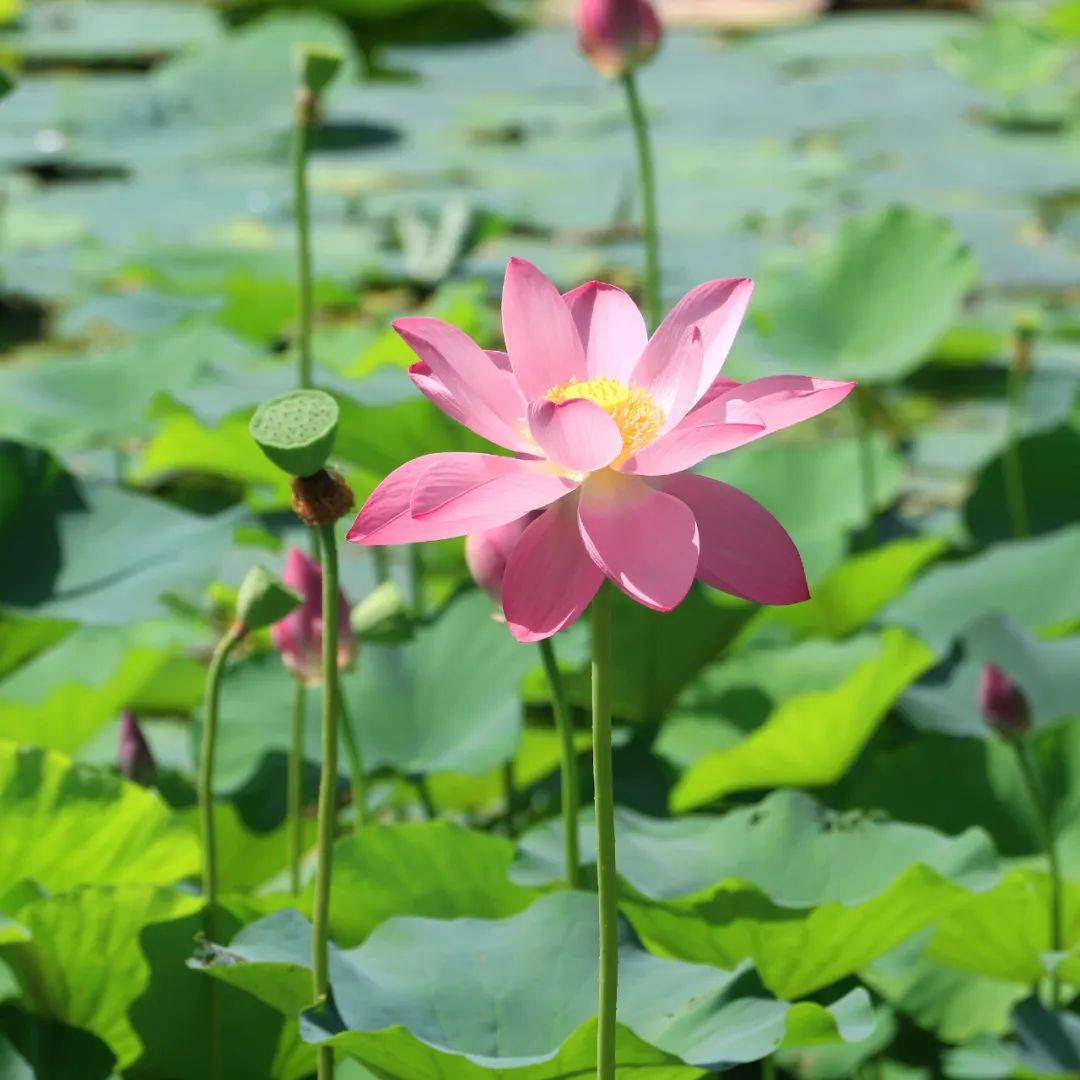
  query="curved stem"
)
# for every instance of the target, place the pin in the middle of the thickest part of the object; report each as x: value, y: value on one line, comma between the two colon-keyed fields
x: 356, y: 761
x: 301, y: 145
x: 867, y: 465
x: 1030, y: 771
x: 569, y: 774
x: 647, y: 181
x: 295, y: 782
x: 209, y: 835
x: 327, y: 787
x: 1012, y: 471
x: 604, y: 803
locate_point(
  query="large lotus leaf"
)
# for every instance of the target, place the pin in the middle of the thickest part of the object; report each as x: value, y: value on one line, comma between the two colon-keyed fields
x: 105, y: 397
x: 1048, y: 461
x: 35, y: 1046
x: 1047, y: 671
x: 1036, y: 581
x: 873, y: 304
x: 1005, y: 933
x: 68, y: 824
x: 436, y: 869
x: 510, y: 993
x: 812, y: 738
x: 849, y: 596
x: 813, y: 488
x: 66, y: 694
x: 94, y: 552
x: 61, y: 969
x: 808, y: 895
x: 956, y: 1005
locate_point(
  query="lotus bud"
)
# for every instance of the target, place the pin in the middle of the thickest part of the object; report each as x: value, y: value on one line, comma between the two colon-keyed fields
x: 1004, y: 706
x: 487, y: 553
x: 298, y: 637
x: 133, y: 756
x: 617, y: 35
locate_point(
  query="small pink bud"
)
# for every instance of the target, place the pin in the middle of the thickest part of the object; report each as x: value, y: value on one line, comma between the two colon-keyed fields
x: 487, y: 553
x: 617, y: 35
x: 1003, y: 704
x: 133, y: 756
x: 298, y: 637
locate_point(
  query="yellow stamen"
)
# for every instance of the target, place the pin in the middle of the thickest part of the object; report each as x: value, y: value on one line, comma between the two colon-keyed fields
x: 638, y: 417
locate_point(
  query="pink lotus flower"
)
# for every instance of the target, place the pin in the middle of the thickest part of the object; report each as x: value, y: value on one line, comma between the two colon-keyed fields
x: 487, y: 553
x: 1002, y: 702
x: 133, y: 756
x: 603, y: 422
x: 298, y: 637
x: 617, y: 35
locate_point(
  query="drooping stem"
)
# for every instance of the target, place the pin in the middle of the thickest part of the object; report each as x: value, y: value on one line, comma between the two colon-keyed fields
x: 1033, y: 782
x: 301, y: 145
x: 295, y: 782
x: 647, y: 183
x: 569, y: 774
x: 867, y: 464
x: 356, y: 761
x: 1012, y: 471
x: 604, y: 805
x: 206, y: 776
x: 327, y: 786
x: 209, y: 835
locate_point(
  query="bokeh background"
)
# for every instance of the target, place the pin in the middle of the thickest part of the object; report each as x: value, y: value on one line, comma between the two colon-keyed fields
x: 902, y: 180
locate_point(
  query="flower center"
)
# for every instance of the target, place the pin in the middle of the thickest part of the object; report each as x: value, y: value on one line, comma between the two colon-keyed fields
x: 638, y: 417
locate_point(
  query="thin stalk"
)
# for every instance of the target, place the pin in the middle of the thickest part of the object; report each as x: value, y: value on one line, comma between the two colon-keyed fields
x: 604, y: 804
x: 416, y: 580
x: 1032, y: 781
x: 509, y: 796
x: 1012, y: 471
x: 295, y: 782
x: 768, y: 1068
x: 356, y: 761
x: 301, y: 146
x: 423, y: 791
x: 647, y: 182
x: 569, y: 774
x: 209, y: 835
x: 327, y: 787
x: 382, y: 564
x: 867, y: 465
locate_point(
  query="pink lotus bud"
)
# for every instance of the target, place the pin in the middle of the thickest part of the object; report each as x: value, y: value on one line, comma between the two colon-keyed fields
x: 487, y: 553
x: 133, y: 756
x: 298, y: 637
x: 1003, y: 704
x: 617, y: 35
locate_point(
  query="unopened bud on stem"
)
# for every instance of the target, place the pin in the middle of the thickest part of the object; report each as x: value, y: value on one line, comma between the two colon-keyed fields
x: 1003, y: 704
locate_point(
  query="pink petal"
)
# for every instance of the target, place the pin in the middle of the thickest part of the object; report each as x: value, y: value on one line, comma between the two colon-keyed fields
x: 611, y: 327
x: 486, y: 399
x: 696, y: 439
x: 644, y: 540
x: 674, y: 383
x: 550, y: 579
x: 745, y: 551
x: 576, y: 434
x: 429, y: 385
x: 438, y: 496
x: 541, y: 338
x: 717, y: 307
x: 781, y: 400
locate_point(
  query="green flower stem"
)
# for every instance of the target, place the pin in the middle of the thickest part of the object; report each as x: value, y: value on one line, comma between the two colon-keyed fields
x: 1033, y: 782
x: 301, y: 146
x: 1013, y: 476
x: 416, y: 581
x: 206, y: 776
x: 381, y: 557
x: 604, y: 803
x: 356, y: 762
x: 209, y: 835
x: 867, y: 467
x: 569, y: 775
x: 647, y: 181
x: 295, y: 781
x: 327, y: 787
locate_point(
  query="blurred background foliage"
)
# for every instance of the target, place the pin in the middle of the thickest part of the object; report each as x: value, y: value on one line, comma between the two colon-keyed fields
x: 904, y: 182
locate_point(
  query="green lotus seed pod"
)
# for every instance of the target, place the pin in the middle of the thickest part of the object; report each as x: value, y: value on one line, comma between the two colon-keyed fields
x: 296, y: 430
x: 263, y: 599
x: 318, y: 66
x: 382, y: 616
